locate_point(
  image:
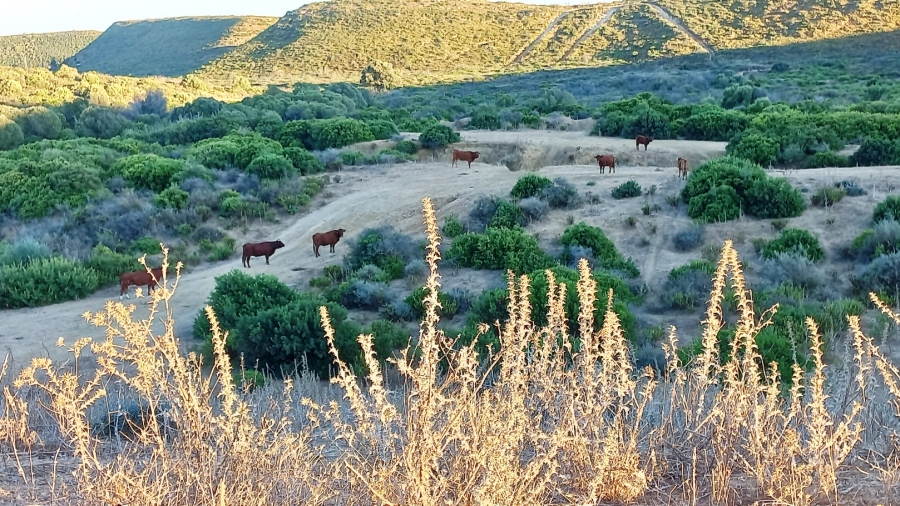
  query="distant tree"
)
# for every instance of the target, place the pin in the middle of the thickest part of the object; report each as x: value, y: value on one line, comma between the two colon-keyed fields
x: 380, y: 75
x: 11, y: 135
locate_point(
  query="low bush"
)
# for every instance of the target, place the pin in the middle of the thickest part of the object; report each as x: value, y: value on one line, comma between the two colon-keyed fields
x: 482, y: 213
x: 365, y: 294
x: 406, y: 146
x: 453, y: 227
x: 304, y: 161
x: 793, y: 269
x: 109, y: 265
x: 507, y: 215
x: 45, y: 281
x: 628, y: 189
x: 827, y: 159
x: 499, y: 248
x: 688, y: 286
x: 416, y: 302
x: 561, y: 195
x: 887, y: 209
x: 530, y: 185
x: 271, y: 166
x: 534, y: 209
x: 827, y: 196
x: 438, y: 135
x: 689, y: 239
x: 794, y: 241
x: 604, y: 250
x: 173, y: 197
x: 883, y: 239
x: 383, y: 247
x: 148, y: 171
x: 882, y: 275
x: 396, y: 311
x: 23, y: 251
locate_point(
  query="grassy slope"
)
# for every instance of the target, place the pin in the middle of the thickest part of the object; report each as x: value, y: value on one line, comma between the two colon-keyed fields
x: 38, y: 49
x: 166, y: 47
x: 435, y: 41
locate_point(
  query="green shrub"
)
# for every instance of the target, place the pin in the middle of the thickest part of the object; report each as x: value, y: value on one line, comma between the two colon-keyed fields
x: 604, y: 250
x: 148, y: 171
x: 382, y: 129
x: 23, y: 251
x: 385, y: 248
x: 269, y: 322
x: 499, y: 248
x: 11, y: 135
x: 876, y: 151
x: 453, y: 227
x: 489, y: 307
x: 387, y: 338
x: 416, y: 301
x: 688, y: 286
x: 45, y: 281
x: 507, y: 215
x: 438, y: 135
x: 795, y: 242
x: 889, y: 209
x: 569, y: 277
x: 755, y: 147
x: 718, y: 190
x: 173, y: 197
x: 248, y: 379
x: 628, y: 189
x: 271, y: 166
x: 406, y: 146
x: 109, y: 265
x: 827, y: 196
x: 827, y: 159
x: 304, y: 161
x: 530, y: 185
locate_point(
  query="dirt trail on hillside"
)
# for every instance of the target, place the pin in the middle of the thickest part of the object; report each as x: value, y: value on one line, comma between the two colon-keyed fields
x: 525, y: 52
x: 391, y: 195
x: 591, y: 31
x: 675, y: 21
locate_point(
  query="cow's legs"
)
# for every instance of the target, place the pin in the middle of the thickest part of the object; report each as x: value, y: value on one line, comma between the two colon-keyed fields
x: 267, y: 259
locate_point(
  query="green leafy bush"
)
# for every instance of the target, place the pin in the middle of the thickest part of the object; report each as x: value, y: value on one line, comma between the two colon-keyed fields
x: 507, y: 215
x: 45, y: 281
x: 796, y: 242
x: 173, y: 197
x: 755, y: 147
x: 604, y: 250
x: 718, y: 190
x: 688, y: 286
x: 304, y: 161
x: 453, y: 227
x: 385, y: 248
x: 406, y: 146
x: 876, y: 151
x: 628, y: 189
x: 109, y: 265
x: 416, y: 301
x: 438, y: 135
x: 529, y: 186
x: 148, y: 171
x: 499, y: 248
x: 11, y: 135
x: 827, y: 159
x: 887, y: 209
x: 271, y: 166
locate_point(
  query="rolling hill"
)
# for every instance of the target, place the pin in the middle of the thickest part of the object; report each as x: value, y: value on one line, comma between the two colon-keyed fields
x: 39, y: 49
x: 439, y: 40
x: 166, y: 47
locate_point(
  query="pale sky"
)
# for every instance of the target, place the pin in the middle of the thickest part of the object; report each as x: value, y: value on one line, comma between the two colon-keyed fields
x: 38, y: 16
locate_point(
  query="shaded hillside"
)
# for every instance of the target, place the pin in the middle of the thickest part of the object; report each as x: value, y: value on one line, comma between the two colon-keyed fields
x: 443, y: 40
x: 39, y: 49
x: 166, y: 47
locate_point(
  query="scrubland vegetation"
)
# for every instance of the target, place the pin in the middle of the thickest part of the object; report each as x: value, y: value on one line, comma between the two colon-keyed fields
x: 42, y: 49
x: 555, y: 384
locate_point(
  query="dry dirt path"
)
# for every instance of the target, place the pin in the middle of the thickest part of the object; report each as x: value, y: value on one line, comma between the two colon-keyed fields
x: 392, y: 195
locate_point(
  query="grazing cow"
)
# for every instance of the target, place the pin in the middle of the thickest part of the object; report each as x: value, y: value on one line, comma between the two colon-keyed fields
x: 259, y: 249
x: 329, y: 238
x: 139, y: 278
x: 640, y: 139
x: 605, y: 161
x: 466, y: 156
x: 682, y: 167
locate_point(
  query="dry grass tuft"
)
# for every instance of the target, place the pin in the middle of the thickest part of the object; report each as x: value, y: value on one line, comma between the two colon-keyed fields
x: 540, y: 421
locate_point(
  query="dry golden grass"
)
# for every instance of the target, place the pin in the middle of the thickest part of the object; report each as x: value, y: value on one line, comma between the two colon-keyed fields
x: 537, y: 423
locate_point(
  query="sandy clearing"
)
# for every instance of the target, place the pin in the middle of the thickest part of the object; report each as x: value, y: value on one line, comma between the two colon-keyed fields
x: 373, y: 196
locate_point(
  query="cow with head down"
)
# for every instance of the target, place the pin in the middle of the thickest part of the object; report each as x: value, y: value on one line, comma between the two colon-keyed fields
x: 640, y: 139
x: 606, y: 161
x: 329, y: 238
x: 259, y: 249
x: 139, y: 278
x: 466, y: 156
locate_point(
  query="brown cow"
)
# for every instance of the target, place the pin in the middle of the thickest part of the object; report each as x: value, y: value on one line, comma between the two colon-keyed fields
x: 139, y: 278
x: 605, y: 161
x: 329, y: 238
x: 259, y: 249
x: 682, y: 167
x: 640, y: 139
x: 466, y: 156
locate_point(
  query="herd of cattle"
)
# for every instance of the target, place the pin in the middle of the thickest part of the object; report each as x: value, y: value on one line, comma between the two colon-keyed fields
x: 330, y: 238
